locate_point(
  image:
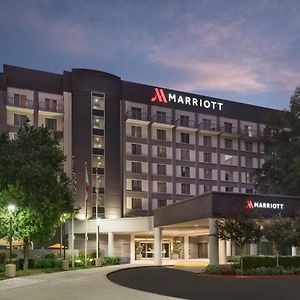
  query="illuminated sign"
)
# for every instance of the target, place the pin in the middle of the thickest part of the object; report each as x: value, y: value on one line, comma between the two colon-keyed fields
x: 254, y: 204
x: 160, y: 96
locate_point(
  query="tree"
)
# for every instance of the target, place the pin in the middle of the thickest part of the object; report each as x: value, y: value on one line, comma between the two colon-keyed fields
x: 32, y: 177
x: 242, y: 228
x: 280, y: 173
x: 281, y: 232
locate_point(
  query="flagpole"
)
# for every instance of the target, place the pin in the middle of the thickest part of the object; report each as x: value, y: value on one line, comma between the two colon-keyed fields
x: 86, y: 198
x: 96, y: 219
x: 72, y: 242
x: 74, y: 183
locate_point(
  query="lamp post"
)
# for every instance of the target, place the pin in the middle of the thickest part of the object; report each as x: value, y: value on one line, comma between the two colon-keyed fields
x: 11, y: 208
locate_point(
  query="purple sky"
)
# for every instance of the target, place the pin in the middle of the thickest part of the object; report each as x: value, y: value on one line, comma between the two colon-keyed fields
x: 247, y: 51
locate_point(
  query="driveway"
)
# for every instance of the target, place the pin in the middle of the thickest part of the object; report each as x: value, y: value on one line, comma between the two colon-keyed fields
x: 89, y: 284
x: 188, y: 285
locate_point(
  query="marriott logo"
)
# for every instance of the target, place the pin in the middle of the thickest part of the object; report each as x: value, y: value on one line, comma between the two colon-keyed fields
x: 162, y: 97
x: 250, y: 204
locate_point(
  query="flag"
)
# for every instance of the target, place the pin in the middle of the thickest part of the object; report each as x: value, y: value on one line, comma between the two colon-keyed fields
x: 74, y: 178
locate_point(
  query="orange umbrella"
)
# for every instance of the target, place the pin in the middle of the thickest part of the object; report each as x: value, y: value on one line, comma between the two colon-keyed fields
x: 57, y: 246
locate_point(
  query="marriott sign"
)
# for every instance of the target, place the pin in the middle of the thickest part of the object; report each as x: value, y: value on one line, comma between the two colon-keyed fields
x: 162, y: 97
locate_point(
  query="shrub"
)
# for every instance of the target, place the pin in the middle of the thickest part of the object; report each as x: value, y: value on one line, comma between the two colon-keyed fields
x: 31, y: 263
x: 2, y: 257
x: 251, y: 262
x: 113, y: 260
x: 51, y: 255
x: 220, y: 269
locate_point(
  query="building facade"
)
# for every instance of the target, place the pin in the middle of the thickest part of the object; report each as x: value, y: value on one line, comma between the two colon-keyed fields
x: 145, y: 147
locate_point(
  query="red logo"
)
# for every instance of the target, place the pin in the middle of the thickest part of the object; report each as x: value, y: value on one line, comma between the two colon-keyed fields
x: 249, y: 204
x: 159, y: 96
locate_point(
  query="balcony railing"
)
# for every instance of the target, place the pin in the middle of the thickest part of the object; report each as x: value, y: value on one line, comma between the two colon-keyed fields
x: 11, y: 101
x: 209, y: 127
x: 162, y: 119
x: 58, y: 108
x: 231, y: 130
x: 186, y: 123
x: 135, y: 115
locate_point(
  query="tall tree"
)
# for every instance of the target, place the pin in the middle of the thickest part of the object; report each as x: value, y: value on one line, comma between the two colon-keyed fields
x: 242, y: 228
x: 280, y: 173
x: 281, y: 232
x: 32, y: 177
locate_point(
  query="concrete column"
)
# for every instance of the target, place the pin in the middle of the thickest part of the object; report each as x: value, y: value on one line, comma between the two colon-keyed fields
x: 110, y: 244
x: 294, y: 251
x: 253, y: 249
x: 157, y: 246
x: 132, y: 248
x: 186, y: 247
x: 228, y: 248
x: 213, y: 254
x: 222, y: 252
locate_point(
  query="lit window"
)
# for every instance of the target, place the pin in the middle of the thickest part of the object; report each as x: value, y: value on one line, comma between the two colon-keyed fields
x: 228, y: 159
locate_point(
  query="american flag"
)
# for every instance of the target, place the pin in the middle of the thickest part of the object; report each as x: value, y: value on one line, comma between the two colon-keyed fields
x: 74, y: 178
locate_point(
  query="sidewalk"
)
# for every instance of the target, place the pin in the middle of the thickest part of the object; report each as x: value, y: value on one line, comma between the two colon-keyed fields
x: 88, y: 284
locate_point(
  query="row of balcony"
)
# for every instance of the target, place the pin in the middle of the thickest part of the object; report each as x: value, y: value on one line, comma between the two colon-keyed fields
x: 192, y: 124
x: 28, y: 104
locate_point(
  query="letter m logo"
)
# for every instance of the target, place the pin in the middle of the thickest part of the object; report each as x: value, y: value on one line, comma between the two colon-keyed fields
x: 159, y: 96
x: 249, y: 204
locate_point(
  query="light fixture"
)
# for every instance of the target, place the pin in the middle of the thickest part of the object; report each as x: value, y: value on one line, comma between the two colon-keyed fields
x: 11, y: 208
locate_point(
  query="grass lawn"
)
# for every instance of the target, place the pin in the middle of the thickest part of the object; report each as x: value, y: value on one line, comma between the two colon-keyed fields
x: 29, y: 272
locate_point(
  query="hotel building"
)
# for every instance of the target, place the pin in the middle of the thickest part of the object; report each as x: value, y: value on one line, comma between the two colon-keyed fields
x: 146, y: 148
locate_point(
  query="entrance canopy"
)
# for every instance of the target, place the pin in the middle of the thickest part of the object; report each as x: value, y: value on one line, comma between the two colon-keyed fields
x: 219, y: 204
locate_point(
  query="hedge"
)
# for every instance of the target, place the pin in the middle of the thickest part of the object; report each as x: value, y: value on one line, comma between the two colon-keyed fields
x: 251, y: 262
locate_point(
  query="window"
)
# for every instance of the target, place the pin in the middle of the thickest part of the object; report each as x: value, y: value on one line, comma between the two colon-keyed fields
x: 161, y: 187
x: 136, y: 131
x: 248, y: 177
x: 185, y: 137
x: 185, y: 189
x: 137, y: 203
x: 98, y: 122
x: 51, y: 124
x: 161, y: 152
x: 20, y: 100
x: 248, y: 130
x: 228, y: 159
x: 161, y: 117
x: 136, y: 149
x: 249, y: 191
x: 136, y: 113
x: 161, y: 134
x: 207, y: 188
x: 207, y: 173
x: 229, y: 189
x: 161, y: 169
x: 207, y: 157
x: 136, y: 167
x: 228, y: 127
x: 184, y: 121
x: 185, y: 154
x: 136, y: 185
x: 19, y: 120
x: 249, y: 146
x: 51, y: 105
x: 206, y: 124
x: 207, y: 140
x: 161, y: 202
x: 249, y: 162
x: 185, y: 171
x: 228, y: 143
x: 228, y: 175
x: 98, y: 101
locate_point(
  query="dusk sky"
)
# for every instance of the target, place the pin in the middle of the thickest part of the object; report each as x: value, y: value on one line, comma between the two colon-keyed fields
x: 247, y: 51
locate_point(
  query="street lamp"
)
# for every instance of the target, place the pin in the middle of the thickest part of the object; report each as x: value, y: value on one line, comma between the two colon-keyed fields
x: 11, y: 208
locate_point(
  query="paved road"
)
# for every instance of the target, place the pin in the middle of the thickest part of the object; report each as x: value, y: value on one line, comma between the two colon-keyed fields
x: 89, y: 284
x: 188, y: 285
